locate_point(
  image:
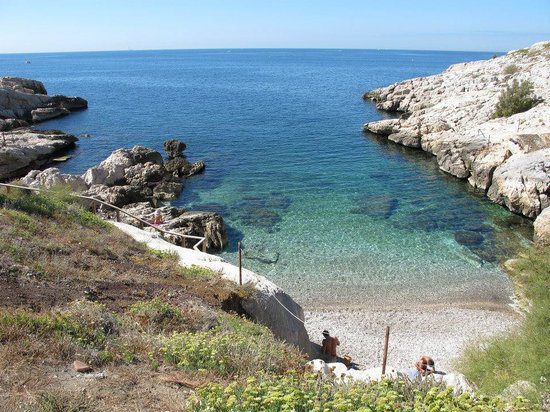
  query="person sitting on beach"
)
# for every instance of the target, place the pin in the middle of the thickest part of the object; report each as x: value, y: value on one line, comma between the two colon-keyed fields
x: 329, y: 345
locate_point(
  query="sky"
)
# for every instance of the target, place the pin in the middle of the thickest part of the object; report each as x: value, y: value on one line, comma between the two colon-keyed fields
x: 83, y: 25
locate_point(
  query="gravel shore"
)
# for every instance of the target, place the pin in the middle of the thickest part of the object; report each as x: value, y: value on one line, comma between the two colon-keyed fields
x: 438, y: 331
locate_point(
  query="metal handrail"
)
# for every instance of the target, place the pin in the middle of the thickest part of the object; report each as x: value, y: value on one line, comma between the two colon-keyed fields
x: 202, y: 240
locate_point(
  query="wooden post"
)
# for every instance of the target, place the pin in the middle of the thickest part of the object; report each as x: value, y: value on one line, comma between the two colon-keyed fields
x: 204, y: 245
x: 240, y: 263
x: 183, y: 241
x: 385, y: 359
x: 117, y: 215
x: 94, y: 207
x: 8, y: 190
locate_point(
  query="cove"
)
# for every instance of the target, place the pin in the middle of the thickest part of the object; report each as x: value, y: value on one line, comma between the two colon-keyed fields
x: 333, y: 216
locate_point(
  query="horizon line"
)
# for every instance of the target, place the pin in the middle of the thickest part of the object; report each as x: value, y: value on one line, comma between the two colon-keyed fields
x: 249, y: 48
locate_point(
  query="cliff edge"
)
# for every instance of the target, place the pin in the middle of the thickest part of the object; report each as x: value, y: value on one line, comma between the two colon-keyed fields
x: 452, y: 116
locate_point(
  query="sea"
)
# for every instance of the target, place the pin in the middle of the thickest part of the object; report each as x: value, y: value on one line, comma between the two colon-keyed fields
x: 336, y: 217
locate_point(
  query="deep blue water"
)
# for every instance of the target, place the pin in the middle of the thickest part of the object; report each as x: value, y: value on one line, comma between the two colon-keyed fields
x: 323, y: 210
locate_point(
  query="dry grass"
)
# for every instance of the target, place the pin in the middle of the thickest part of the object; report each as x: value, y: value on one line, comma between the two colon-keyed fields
x: 74, y: 288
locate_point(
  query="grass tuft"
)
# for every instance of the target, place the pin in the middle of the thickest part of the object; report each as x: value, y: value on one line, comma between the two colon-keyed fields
x: 497, y: 363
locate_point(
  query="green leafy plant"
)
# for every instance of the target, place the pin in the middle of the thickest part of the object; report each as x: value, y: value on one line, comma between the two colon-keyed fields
x: 516, y: 98
x: 312, y: 392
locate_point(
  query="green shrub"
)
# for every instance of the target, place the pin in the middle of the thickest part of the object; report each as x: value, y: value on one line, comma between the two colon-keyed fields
x: 156, y: 315
x: 516, y: 98
x: 522, y: 355
x: 234, y: 347
x: 52, y: 203
x: 198, y: 271
x: 511, y: 69
x: 314, y: 393
x: 86, y: 323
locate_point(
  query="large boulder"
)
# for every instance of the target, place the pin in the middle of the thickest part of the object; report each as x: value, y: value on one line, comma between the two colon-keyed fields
x: 111, y: 170
x: 115, y: 195
x: 22, y: 85
x: 542, y: 228
x: 52, y: 177
x: 174, y: 148
x: 206, y: 224
x: 22, y: 150
x: 202, y: 224
x: 522, y: 183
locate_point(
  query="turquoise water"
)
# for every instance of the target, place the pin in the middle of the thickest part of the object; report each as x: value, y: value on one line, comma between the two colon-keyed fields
x: 328, y: 213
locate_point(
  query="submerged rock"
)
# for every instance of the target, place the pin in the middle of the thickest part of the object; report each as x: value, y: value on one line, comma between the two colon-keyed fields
x: 376, y: 206
x: 468, y: 238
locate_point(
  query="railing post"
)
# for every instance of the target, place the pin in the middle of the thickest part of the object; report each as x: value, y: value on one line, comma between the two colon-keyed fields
x: 117, y: 215
x: 183, y: 242
x: 140, y: 223
x: 204, y: 245
x: 385, y: 359
x: 240, y: 263
x: 94, y: 207
x: 8, y: 190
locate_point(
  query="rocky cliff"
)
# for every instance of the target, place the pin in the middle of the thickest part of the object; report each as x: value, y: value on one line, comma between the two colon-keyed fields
x: 451, y: 115
x: 26, y: 101
x: 22, y: 103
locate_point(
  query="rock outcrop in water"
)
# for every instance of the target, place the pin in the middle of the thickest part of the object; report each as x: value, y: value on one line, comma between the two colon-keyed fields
x: 136, y: 179
x: 24, y: 149
x: 22, y: 102
x: 451, y: 116
x: 26, y: 101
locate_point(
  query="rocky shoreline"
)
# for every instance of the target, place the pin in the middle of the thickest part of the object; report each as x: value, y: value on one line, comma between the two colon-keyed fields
x: 24, y: 102
x: 450, y: 115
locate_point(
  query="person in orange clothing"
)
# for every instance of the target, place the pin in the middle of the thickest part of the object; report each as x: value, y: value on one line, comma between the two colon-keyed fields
x: 329, y: 345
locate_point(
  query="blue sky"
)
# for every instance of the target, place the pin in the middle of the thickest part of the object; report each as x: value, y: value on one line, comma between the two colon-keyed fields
x: 79, y: 25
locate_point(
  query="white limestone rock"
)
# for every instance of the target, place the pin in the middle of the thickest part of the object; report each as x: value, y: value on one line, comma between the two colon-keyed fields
x: 53, y: 177
x: 542, y: 228
x: 22, y: 150
x: 110, y: 170
x: 318, y: 366
x: 522, y: 183
x: 451, y: 116
x: 26, y: 99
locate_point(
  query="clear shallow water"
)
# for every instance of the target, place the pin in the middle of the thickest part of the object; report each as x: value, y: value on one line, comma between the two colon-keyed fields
x: 325, y: 211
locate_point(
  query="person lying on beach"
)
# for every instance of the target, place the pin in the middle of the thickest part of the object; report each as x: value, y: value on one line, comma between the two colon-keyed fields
x: 329, y: 345
x: 424, y: 366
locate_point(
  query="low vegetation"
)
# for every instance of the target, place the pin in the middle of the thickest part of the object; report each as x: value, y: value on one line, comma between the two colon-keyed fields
x: 511, y: 69
x: 158, y: 336
x: 516, y: 98
x: 304, y: 393
x: 523, y: 355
